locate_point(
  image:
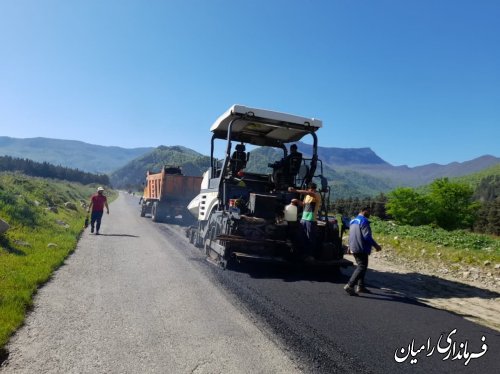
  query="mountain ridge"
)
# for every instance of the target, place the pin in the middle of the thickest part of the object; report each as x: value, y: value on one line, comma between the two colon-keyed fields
x: 355, y: 171
x: 366, y: 161
x: 346, y: 156
x: 70, y: 153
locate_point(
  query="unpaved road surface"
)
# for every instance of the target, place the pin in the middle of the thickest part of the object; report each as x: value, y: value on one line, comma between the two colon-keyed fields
x: 128, y: 301
x: 141, y: 299
x: 472, y: 299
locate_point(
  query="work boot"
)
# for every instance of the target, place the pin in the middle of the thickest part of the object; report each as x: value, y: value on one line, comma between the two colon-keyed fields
x: 362, y: 289
x: 91, y: 229
x: 350, y: 290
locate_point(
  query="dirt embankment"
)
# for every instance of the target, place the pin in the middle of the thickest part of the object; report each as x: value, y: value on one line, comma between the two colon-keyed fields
x: 471, y: 292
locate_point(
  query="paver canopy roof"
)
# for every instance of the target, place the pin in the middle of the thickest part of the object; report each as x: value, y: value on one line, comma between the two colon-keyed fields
x: 263, y: 127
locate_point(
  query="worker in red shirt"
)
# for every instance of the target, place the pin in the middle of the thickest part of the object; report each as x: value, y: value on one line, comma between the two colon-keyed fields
x: 97, y: 203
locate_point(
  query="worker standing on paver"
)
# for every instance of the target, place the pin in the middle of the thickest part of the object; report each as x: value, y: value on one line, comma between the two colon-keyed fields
x: 311, y: 205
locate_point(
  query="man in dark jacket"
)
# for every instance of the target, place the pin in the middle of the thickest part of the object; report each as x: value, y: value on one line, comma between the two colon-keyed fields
x: 360, y: 244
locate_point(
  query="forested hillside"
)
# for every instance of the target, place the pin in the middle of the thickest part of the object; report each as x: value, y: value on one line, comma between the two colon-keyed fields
x: 70, y: 153
x: 480, y: 178
x: 421, y: 175
x: 365, y: 161
x: 470, y: 203
x: 133, y: 174
x: 487, y: 193
x: 344, y: 181
x: 46, y: 170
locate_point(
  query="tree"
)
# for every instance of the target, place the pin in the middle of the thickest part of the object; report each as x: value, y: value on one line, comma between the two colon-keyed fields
x: 488, y: 188
x: 481, y: 221
x: 378, y: 208
x: 408, y: 207
x: 46, y: 170
x: 493, y: 218
x: 451, y: 204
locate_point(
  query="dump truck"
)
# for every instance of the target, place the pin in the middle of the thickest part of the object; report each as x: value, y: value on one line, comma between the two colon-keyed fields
x: 167, y: 193
x: 243, y: 216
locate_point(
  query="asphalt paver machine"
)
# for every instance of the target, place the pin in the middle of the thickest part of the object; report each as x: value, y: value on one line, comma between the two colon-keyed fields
x: 243, y: 215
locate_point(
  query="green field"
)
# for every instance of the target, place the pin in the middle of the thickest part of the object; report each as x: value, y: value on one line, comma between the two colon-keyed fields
x: 457, y: 247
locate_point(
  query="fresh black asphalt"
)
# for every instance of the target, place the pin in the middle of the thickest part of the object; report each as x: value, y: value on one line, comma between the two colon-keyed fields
x: 332, y: 332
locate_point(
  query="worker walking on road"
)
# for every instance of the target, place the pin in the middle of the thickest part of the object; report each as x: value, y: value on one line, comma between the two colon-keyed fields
x: 360, y: 244
x: 97, y: 203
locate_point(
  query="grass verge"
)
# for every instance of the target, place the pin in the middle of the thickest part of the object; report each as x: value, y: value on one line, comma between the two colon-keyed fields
x: 452, y: 248
x: 46, y: 220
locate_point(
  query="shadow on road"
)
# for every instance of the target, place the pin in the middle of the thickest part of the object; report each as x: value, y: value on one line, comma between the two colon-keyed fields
x: 426, y: 286
x: 179, y: 222
x: 409, y: 285
x: 125, y: 235
x: 289, y: 272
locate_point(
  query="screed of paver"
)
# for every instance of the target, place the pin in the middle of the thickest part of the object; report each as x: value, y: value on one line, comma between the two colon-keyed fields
x: 128, y: 302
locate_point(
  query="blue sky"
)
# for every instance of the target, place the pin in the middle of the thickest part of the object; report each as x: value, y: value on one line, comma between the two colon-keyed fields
x: 418, y: 81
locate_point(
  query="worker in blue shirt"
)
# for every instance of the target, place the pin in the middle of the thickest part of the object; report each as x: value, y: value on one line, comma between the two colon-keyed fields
x: 360, y: 244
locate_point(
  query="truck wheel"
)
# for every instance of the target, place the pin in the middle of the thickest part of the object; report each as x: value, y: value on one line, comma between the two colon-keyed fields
x: 154, y: 212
